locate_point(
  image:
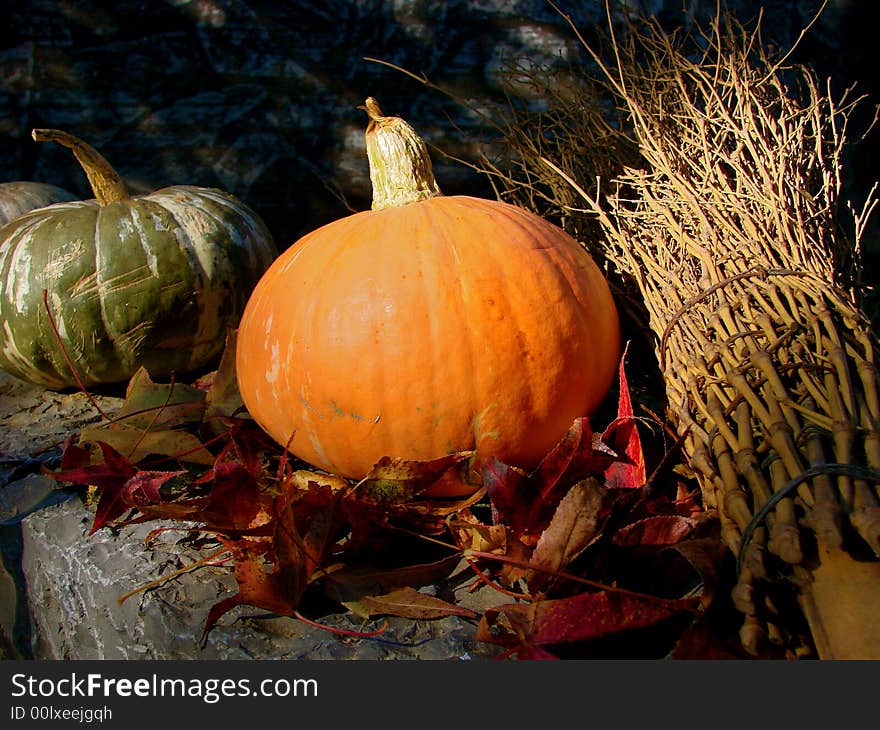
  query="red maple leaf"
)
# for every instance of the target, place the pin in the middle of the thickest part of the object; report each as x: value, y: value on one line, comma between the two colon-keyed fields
x: 110, y: 476
x: 531, y: 630
x: 622, y: 435
x: 271, y: 574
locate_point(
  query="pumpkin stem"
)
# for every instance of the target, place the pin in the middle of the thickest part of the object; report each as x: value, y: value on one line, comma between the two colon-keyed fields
x: 400, y: 167
x: 106, y: 183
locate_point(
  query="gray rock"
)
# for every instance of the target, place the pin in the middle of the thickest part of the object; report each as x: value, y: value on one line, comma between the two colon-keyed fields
x: 75, y: 581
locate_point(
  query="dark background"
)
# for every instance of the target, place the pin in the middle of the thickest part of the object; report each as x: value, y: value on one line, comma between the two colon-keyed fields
x: 259, y: 98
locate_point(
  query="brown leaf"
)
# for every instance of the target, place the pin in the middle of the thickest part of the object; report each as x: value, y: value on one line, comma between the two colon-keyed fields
x: 525, y: 503
x: 247, y: 444
x: 137, y: 444
x: 567, y: 462
x: 160, y: 405
x: 277, y: 586
x: 394, y: 495
x: 686, y: 502
x: 301, y: 479
x: 576, y: 523
x: 471, y: 534
x: 223, y: 398
x: 316, y: 540
x: 407, y: 603
x: 395, y: 480
x: 257, y: 587
x: 508, y: 489
x: 292, y: 563
x: 154, y: 419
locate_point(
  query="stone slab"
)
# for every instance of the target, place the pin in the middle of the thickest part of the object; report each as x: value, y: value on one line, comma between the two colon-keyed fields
x: 74, y: 583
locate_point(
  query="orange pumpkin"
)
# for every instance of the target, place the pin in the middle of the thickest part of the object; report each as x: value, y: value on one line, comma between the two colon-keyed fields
x: 428, y: 325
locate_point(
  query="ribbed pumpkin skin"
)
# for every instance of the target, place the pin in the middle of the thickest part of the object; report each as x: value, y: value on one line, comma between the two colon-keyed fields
x: 441, y: 326
x: 152, y: 281
x: 17, y: 198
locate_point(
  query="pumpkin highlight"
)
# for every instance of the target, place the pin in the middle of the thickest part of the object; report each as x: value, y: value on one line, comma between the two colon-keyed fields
x: 151, y: 281
x: 428, y: 325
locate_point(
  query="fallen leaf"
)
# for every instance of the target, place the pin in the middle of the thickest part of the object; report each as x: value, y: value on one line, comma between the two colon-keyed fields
x: 150, y: 405
x: 316, y: 540
x: 223, y: 398
x: 275, y: 585
x: 234, y: 502
x: 622, y: 435
x: 569, y: 461
x: 395, y: 480
x: 705, y: 555
x: 471, y: 534
x: 576, y: 523
x: 508, y: 490
x: 526, y: 503
x: 394, y: 496
x: 256, y: 587
x: 137, y: 444
x: 154, y: 419
x: 302, y: 478
x: 113, y: 471
x: 74, y: 456
x: 143, y: 488
x: 247, y: 444
x: 110, y: 477
x: 407, y: 602
x: 687, y: 501
x: 585, y: 616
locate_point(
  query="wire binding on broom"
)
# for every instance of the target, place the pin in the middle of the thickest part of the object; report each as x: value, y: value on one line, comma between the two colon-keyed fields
x: 852, y: 470
x: 758, y: 272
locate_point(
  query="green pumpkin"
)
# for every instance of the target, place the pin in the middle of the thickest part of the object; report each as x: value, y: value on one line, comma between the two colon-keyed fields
x: 121, y: 282
x: 20, y: 197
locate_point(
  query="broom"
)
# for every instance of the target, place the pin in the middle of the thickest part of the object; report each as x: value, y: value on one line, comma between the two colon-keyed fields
x: 728, y: 228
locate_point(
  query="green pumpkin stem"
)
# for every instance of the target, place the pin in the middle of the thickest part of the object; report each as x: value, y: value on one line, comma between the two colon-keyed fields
x: 106, y: 183
x: 400, y: 167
